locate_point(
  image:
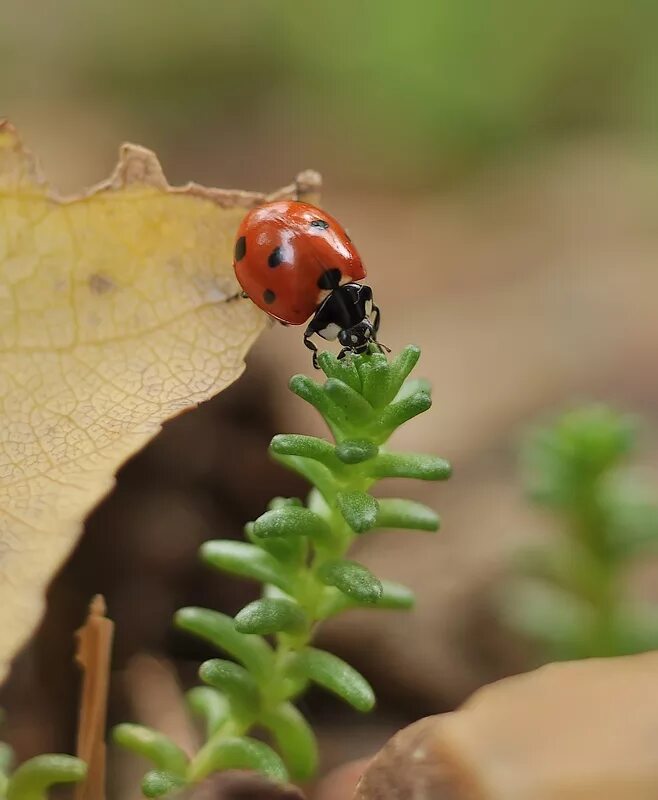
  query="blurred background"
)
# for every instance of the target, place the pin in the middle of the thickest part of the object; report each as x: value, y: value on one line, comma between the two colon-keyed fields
x: 497, y: 166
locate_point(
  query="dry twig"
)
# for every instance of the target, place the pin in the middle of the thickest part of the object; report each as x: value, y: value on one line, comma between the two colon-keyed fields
x: 93, y: 655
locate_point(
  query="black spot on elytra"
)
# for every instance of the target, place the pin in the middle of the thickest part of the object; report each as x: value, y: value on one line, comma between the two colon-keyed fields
x: 330, y: 279
x: 240, y: 248
x: 320, y: 223
x: 275, y: 258
x: 269, y: 297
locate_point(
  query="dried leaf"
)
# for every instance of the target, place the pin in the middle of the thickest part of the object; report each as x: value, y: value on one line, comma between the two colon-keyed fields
x: 113, y: 317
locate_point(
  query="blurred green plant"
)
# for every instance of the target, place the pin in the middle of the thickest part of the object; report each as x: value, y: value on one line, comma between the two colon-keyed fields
x: 571, y: 595
x: 33, y: 779
x: 298, y: 551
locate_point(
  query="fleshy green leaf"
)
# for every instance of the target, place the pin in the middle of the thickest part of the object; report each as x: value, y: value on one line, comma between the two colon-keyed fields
x: 239, y: 752
x: 246, y: 560
x: 560, y: 619
x: 410, y: 465
x: 210, y: 705
x: 401, y: 411
x: 400, y: 369
x: 271, y: 615
x: 233, y: 680
x: 314, y: 472
x: 376, y: 381
x: 274, y: 592
x: 356, y: 408
x: 353, y: 579
x: 309, y: 390
x: 406, y: 514
x: 343, y: 370
x: 581, y: 446
x: 632, y: 519
x: 332, y: 602
x: 292, y: 444
x: 158, y: 748
x: 356, y: 451
x: 567, y: 563
x: 294, y: 738
x: 157, y: 783
x: 33, y: 779
x: 283, y: 502
x: 290, y: 551
x: 219, y: 629
x: 332, y: 673
x: 413, y: 386
x: 291, y: 521
x: 359, y: 510
x: 395, y: 596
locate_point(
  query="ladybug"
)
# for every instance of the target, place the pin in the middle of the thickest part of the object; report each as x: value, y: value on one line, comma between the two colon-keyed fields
x: 296, y: 262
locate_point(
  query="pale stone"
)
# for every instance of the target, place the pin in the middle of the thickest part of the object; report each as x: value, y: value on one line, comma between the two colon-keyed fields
x: 583, y: 730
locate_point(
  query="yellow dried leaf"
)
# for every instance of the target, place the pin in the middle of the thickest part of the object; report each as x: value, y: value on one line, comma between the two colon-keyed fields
x: 112, y: 319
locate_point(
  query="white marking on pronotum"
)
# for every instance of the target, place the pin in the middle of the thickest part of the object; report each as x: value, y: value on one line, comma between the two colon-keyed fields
x: 330, y: 332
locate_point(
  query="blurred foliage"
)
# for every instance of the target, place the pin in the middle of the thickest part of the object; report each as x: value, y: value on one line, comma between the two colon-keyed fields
x: 572, y: 594
x: 429, y: 87
x: 33, y: 779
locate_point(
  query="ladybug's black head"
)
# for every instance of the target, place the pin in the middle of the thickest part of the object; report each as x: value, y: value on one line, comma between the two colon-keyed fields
x: 358, y: 337
x: 346, y: 314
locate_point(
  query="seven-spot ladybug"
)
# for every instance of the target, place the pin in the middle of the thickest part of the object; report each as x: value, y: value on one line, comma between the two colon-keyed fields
x: 287, y: 254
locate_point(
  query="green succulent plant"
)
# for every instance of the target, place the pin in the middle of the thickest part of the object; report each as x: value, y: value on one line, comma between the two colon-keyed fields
x: 33, y: 779
x: 298, y: 551
x: 572, y: 594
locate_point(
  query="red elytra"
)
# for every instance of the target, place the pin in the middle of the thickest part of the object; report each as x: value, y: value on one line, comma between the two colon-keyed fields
x: 288, y: 254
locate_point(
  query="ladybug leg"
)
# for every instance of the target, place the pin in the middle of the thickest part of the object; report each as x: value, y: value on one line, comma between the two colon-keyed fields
x: 237, y: 296
x: 376, y: 321
x: 311, y: 346
x: 343, y: 353
x: 376, y: 318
